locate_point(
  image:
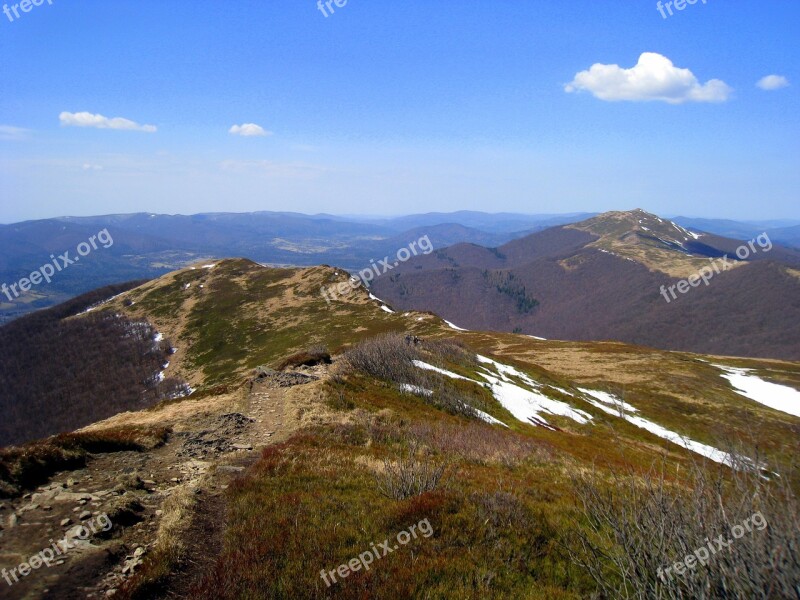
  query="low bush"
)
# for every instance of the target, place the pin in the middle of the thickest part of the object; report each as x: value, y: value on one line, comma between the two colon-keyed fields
x: 413, y: 473
x: 388, y: 357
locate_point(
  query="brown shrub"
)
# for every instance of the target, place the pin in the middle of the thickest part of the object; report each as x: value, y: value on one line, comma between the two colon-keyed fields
x: 414, y: 472
x: 388, y: 357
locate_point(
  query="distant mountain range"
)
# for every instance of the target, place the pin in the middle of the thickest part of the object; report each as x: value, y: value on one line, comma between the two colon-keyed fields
x: 149, y: 245
x: 784, y: 232
x: 609, y: 278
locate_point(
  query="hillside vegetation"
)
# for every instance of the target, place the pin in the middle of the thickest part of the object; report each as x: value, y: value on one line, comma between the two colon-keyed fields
x: 316, y: 433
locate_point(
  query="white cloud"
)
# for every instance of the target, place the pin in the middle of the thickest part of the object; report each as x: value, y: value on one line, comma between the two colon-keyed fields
x: 773, y: 82
x: 654, y: 78
x: 91, y: 167
x: 86, y: 119
x: 249, y: 130
x: 12, y: 134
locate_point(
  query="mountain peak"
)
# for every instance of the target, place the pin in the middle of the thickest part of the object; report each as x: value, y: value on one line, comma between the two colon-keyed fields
x: 638, y: 235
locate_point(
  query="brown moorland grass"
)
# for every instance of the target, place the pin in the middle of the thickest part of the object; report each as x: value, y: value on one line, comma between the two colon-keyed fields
x: 308, y: 505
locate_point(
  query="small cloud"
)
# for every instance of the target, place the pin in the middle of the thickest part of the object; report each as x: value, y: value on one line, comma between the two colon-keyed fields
x: 773, y: 82
x: 13, y: 134
x: 249, y: 130
x: 654, y: 78
x: 90, y: 167
x: 86, y: 119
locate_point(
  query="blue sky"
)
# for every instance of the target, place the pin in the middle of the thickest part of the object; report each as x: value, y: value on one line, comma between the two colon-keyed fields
x: 393, y: 107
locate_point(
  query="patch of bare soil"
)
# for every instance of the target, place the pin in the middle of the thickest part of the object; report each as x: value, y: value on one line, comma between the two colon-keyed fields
x: 214, y: 440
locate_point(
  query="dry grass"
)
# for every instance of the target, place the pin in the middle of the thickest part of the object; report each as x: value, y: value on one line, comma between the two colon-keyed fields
x: 170, y: 549
x: 481, y: 443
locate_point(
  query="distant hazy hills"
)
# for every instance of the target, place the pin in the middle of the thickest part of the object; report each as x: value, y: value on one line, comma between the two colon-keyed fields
x: 784, y: 232
x: 148, y: 245
x: 602, y: 279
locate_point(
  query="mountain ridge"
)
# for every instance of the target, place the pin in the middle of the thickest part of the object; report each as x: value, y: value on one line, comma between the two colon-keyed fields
x: 553, y: 283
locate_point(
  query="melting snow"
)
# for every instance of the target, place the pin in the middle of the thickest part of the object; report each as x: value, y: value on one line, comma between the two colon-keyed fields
x: 612, y: 405
x: 456, y: 327
x: 383, y: 305
x: 526, y: 405
x: 779, y: 397
x: 610, y: 399
x: 538, y: 338
x: 208, y: 266
x: 488, y: 418
x: 415, y: 389
x: 158, y: 337
x: 428, y: 367
x: 185, y: 390
x: 101, y: 303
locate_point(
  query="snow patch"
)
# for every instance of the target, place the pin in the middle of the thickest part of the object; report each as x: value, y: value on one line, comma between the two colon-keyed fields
x: 488, y: 418
x: 101, y: 303
x: 423, y: 365
x: 612, y: 405
x: 526, y: 405
x: 415, y: 389
x: 611, y: 400
x: 452, y: 326
x: 773, y: 395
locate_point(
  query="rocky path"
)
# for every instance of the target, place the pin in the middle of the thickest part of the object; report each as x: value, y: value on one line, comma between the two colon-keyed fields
x: 207, y: 450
